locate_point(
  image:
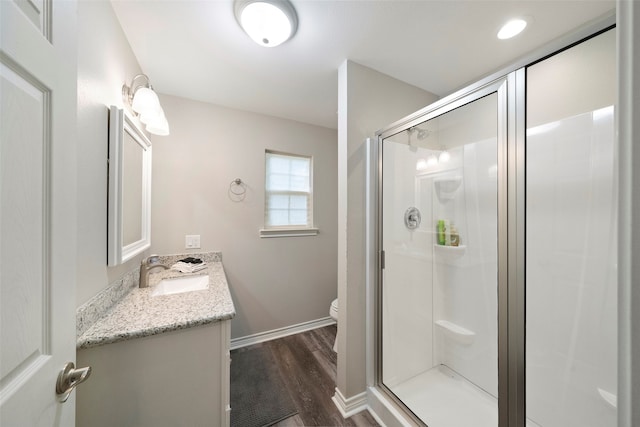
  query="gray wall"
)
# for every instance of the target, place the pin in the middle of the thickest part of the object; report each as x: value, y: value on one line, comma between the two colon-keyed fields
x: 368, y: 101
x: 275, y: 282
x: 105, y: 62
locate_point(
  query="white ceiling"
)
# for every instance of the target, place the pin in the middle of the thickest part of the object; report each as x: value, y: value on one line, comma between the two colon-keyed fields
x: 195, y: 48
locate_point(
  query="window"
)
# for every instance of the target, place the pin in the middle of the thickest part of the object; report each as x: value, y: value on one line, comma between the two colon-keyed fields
x: 288, y: 195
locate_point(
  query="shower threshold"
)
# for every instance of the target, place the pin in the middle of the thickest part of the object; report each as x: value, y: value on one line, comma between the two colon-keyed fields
x: 442, y: 398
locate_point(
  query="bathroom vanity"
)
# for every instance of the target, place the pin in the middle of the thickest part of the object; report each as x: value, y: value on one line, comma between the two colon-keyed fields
x: 160, y: 360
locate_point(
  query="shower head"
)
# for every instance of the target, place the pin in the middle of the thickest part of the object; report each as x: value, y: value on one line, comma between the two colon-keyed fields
x: 422, y: 133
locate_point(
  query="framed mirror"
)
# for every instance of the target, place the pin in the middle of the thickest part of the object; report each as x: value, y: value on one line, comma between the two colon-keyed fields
x: 129, y: 205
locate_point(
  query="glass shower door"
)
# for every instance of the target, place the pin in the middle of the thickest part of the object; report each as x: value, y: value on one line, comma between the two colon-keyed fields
x: 439, y: 286
x: 571, y: 280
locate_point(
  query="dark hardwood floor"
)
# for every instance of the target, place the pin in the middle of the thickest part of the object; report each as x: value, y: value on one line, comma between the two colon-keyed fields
x: 307, y: 365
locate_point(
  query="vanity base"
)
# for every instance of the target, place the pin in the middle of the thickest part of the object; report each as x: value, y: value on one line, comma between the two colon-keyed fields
x: 171, y: 379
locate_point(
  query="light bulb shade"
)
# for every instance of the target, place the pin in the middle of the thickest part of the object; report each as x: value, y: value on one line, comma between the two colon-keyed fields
x: 151, y: 116
x: 268, y: 22
x: 159, y: 125
x: 432, y: 160
x: 444, y: 157
x: 145, y: 101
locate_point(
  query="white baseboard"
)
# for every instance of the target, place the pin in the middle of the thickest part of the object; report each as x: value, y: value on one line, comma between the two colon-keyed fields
x: 352, y: 405
x: 281, y: 332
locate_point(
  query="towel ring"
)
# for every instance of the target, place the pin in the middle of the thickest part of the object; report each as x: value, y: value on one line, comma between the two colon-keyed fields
x: 237, y: 190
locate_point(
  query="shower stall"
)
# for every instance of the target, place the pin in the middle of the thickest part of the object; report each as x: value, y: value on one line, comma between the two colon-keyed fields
x: 496, y: 294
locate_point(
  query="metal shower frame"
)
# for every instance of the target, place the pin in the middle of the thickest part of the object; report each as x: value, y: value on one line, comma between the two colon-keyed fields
x: 510, y: 87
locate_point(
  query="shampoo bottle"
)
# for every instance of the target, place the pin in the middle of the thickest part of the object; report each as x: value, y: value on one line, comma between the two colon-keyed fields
x: 441, y: 232
x: 447, y: 233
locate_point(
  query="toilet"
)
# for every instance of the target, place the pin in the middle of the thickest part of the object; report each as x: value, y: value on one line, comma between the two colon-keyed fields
x: 333, y: 312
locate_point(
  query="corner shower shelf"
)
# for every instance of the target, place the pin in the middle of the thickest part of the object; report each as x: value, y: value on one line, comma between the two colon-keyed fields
x: 446, y: 187
x: 460, y: 334
x: 450, y: 251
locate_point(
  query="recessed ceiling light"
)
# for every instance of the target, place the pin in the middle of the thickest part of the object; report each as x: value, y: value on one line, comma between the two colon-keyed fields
x: 512, y: 29
x: 268, y: 22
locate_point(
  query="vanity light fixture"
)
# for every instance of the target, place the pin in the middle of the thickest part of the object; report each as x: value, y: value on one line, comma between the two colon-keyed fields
x: 433, y: 160
x: 268, y: 22
x: 144, y: 102
x: 444, y: 157
x: 512, y: 28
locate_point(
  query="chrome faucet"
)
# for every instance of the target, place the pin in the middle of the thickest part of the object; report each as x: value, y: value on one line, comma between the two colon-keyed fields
x: 152, y: 261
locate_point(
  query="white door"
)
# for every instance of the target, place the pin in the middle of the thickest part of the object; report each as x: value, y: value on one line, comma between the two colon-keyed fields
x: 37, y: 209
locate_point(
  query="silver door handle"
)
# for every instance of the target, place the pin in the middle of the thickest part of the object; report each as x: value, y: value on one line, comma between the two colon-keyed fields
x: 69, y: 378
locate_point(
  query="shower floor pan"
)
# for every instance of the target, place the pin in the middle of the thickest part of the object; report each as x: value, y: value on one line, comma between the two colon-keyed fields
x: 442, y: 398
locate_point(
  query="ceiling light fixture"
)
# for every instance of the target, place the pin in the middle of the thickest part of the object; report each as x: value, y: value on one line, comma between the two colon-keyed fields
x: 512, y: 29
x: 145, y: 103
x: 268, y: 22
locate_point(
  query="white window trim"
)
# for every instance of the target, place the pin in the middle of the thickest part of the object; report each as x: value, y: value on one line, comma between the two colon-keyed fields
x: 288, y: 232
x: 293, y: 231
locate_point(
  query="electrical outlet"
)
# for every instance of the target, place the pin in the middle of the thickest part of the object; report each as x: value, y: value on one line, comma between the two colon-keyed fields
x: 192, y: 241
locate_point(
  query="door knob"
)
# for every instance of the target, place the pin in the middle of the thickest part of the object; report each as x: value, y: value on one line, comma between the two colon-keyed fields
x: 69, y: 378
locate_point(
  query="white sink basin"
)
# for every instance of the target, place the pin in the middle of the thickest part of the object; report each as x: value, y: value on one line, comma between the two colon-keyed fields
x: 178, y: 285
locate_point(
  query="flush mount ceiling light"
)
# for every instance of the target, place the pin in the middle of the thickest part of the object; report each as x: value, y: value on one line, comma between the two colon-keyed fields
x: 512, y: 29
x: 268, y: 22
x: 145, y: 103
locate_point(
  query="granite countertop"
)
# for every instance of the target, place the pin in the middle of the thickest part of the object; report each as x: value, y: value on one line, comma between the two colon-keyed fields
x: 139, y: 314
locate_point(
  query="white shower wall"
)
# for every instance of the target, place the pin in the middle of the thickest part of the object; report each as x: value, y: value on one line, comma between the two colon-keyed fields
x: 571, y: 272
x: 571, y: 237
x: 408, y: 276
x: 424, y: 283
x: 570, y: 283
x: 465, y: 285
